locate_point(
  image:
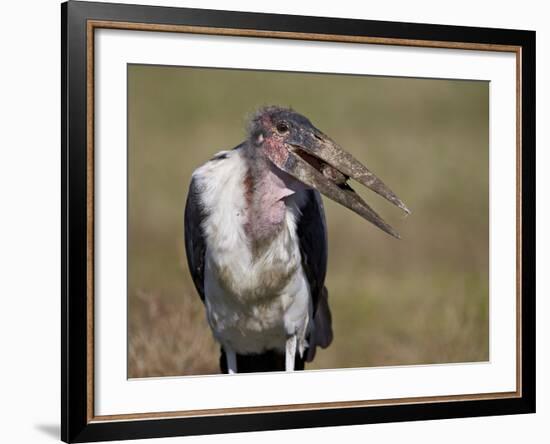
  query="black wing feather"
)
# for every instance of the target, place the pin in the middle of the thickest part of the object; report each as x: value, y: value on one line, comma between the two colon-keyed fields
x: 195, y: 243
x: 312, y: 232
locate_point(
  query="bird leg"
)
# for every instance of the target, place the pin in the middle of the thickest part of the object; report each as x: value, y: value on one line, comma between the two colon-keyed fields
x: 290, y: 353
x: 231, y: 358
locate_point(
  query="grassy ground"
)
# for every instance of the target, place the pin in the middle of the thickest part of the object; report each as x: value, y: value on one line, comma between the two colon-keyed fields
x: 423, y: 299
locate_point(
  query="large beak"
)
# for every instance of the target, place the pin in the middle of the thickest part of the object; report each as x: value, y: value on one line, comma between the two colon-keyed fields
x: 320, y: 163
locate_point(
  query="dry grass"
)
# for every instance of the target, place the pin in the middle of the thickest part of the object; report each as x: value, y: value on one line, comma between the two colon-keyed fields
x: 420, y: 300
x: 167, y: 338
x: 412, y: 325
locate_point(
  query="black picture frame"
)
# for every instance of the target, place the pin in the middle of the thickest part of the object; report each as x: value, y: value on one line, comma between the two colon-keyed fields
x: 76, y: 423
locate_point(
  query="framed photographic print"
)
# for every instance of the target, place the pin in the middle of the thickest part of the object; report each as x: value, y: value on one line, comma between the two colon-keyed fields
x: 275, y: 221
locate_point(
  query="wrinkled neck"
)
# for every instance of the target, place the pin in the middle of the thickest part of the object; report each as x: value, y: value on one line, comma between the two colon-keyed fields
x: 265, y: 190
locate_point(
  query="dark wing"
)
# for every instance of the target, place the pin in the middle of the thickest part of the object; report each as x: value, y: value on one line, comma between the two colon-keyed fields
x: 195, y: 243
x: 312, y: 232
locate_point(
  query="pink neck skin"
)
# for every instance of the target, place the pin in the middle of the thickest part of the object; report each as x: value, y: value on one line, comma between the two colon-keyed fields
x: 266, y: 190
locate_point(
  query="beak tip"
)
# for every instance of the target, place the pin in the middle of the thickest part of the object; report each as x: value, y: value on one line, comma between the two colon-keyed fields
x: 404, y: 207
x: 389, y: 230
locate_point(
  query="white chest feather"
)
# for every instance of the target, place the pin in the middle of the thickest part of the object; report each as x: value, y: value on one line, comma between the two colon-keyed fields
x: 256, y: 295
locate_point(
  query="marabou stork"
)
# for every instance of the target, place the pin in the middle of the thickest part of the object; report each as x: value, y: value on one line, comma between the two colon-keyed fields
x: 256, y: 239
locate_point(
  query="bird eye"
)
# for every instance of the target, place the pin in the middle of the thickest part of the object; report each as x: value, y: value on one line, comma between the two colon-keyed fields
x: 282, y: 127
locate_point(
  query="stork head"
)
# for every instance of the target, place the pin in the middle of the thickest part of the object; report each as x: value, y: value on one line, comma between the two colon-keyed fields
x: 291, y: 142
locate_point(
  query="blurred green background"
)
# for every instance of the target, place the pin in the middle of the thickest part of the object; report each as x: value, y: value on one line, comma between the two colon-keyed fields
x: 423, y: 299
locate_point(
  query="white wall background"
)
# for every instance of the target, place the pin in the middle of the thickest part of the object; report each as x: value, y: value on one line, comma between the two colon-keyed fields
x: 30, y: 221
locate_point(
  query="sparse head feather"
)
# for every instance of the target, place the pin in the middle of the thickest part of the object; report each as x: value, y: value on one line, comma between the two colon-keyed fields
x: 264, y: 116
x: 267, y: 117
